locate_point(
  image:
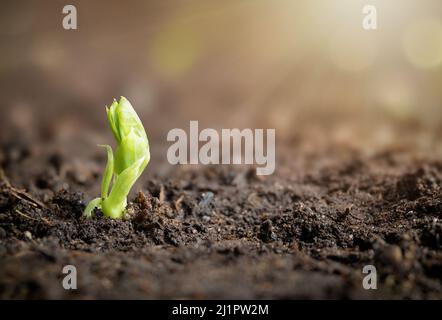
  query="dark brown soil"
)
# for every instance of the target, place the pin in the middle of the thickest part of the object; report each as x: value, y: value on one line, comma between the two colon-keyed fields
x: 358, y: 178
x: 223, y: 232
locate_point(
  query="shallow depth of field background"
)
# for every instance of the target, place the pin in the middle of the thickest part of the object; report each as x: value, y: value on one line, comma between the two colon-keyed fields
x: 306, y: 68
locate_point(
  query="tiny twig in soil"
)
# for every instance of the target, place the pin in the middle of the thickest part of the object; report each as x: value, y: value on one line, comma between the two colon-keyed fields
x: 20, y: 194
x: 24, y: 215
x: 162, y: 195
x: 46, y: 221
x: 26, y: 197
x: 177, y: 203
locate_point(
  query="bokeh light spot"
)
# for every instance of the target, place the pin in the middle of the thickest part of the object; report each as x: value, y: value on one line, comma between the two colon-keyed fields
x: 175, y: 49
x: 422, y: 43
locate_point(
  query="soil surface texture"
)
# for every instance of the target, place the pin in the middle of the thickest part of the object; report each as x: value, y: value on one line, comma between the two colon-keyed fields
x: 214, y: 232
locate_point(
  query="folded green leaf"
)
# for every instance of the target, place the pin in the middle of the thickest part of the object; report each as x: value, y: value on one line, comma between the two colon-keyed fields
x: 114, y: 205
x: 125, y: 167
x: 108, y: 172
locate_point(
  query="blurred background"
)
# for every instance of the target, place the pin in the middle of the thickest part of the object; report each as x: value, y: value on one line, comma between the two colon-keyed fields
x: 306, y: 68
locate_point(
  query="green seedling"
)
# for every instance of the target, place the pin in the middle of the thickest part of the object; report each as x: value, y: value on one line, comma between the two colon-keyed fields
x: 125, y: 167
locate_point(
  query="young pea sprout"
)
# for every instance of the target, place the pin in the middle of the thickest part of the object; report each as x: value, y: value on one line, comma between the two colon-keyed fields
x: 125, y: 167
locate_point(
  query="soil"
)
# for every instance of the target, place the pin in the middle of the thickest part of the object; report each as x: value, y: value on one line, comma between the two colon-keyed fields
x: 210, y: 232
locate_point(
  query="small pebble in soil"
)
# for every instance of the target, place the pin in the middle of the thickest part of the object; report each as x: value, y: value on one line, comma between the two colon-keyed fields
x: 28, y: 235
